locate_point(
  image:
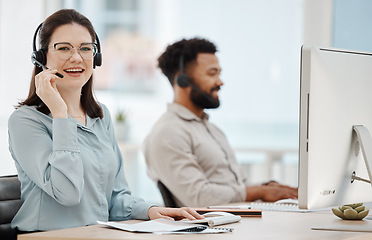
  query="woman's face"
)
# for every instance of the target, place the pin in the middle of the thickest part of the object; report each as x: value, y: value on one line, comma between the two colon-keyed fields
x: 75, y: 69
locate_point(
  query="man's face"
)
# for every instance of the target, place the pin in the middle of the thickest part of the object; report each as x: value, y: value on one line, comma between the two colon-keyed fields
x: 205, y: 75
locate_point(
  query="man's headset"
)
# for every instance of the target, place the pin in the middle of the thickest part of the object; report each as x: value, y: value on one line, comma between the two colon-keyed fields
x: 182, y: 80
x: 38, y: 57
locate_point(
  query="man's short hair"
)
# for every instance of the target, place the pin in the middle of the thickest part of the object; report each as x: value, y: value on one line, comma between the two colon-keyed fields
x: 169, y: 61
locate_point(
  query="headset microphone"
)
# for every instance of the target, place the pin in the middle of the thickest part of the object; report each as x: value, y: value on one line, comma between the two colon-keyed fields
x: 36, y: 62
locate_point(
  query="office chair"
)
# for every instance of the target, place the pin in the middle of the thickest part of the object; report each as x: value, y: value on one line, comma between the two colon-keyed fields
x: 10, y: 202
x: 167, y: 195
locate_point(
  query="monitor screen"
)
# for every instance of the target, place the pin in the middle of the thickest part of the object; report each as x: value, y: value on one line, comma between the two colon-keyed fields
x: 335, y: 96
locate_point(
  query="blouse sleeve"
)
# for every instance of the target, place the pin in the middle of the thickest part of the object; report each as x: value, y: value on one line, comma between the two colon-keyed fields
x: 123, y: 205
x: 49, y: 157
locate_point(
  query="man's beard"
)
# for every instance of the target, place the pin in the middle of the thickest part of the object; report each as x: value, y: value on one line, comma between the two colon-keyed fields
x: 203, y: 99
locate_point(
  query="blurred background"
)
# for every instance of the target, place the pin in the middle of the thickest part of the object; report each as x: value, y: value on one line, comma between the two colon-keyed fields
x: 258, y: 42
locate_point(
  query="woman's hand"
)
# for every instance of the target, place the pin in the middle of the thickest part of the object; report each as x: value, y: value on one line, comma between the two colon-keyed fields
x: 46, y: 89
x: 173, y: 213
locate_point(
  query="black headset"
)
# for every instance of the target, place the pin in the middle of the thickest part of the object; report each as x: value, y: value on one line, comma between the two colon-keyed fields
x: 40, y: 56
x: 182, y: 80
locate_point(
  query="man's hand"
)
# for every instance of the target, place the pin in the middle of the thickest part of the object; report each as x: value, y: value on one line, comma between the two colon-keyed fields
x: 271, y: 192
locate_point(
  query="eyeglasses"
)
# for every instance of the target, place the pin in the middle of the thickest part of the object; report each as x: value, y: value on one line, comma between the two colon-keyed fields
x: 65, y: 50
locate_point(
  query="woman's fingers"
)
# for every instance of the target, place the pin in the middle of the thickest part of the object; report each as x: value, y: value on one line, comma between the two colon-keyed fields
x: 43, y: 80
x: 174, y: 213
x: 46, y: 89
x: 191, y: 213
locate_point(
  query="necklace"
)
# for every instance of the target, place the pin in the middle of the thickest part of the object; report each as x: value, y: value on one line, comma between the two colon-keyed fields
x: 80, y: 116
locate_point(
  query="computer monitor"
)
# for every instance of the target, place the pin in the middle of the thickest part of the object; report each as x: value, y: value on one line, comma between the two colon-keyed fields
x: 335, y: 121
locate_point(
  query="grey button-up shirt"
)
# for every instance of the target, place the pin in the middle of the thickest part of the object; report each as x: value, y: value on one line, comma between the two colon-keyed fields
x: 193, y: 159
x: 71, y: 175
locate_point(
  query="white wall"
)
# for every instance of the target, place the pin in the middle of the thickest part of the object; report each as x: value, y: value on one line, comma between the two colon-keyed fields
x: 318, y: 22
x: 18, y: 21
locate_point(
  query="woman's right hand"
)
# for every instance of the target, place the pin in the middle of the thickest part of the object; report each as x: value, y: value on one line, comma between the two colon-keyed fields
x: 46, y: 89
x: 173, y: 213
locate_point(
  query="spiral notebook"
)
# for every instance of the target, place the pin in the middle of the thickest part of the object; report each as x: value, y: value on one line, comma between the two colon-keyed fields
x: 165, y: 226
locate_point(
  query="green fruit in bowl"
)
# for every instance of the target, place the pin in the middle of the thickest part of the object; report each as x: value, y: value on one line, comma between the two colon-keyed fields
x: 354, y: 211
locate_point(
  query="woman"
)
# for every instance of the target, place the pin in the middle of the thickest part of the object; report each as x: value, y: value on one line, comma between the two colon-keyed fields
x: 62, y: 140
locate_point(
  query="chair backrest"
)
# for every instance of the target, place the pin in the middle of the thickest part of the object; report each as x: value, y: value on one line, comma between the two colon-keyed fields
x: 167, y: 195
x: 10, y: 202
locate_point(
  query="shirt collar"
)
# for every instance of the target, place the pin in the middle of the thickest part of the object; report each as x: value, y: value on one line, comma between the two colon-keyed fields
x: 90, y: 122
x: 185, y: 113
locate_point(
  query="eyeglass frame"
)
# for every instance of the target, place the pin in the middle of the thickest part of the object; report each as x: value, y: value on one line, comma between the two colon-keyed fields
x: 73, y: 48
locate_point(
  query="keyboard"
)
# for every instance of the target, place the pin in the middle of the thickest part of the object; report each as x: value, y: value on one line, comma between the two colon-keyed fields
x: 282, y: 205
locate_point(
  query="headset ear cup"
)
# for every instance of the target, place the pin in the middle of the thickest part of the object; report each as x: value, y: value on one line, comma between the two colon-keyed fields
x: 97, y: 60
x: 34, y: 57
x: 183, y: 80
x: 39, y: 56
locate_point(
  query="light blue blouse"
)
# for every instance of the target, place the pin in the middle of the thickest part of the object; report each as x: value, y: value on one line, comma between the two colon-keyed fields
x: 71, y: 175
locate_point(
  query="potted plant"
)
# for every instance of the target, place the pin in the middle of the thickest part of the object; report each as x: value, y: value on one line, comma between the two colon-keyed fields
x: 121, y: 126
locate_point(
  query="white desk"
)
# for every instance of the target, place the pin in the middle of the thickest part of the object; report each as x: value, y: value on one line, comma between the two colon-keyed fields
x: 272, y: 225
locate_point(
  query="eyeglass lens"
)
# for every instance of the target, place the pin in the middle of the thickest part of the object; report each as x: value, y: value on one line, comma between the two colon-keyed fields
x: 65, y: 50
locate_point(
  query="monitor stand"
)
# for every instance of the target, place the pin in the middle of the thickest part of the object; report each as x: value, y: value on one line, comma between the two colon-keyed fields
x: 365, y: 142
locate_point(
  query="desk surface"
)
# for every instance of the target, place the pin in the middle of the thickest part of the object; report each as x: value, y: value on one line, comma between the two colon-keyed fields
x: 272, y: 225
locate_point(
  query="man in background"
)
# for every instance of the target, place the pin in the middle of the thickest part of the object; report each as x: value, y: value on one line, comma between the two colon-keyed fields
x: 186, y: 152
